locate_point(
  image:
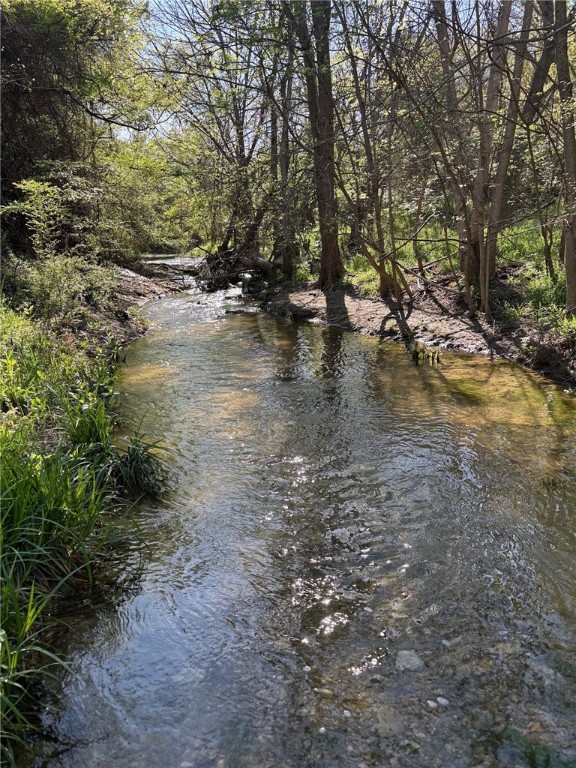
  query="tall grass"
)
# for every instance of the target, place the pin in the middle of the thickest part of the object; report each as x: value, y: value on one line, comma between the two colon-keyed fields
x: 60, y: 472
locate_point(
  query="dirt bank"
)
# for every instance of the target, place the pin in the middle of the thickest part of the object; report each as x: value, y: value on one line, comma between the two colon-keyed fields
x: 436, y: 317
x: 150, y: 281
x: 117, y: 321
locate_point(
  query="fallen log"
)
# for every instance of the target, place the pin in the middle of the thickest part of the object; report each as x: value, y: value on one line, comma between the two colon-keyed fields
x: 225, y: 268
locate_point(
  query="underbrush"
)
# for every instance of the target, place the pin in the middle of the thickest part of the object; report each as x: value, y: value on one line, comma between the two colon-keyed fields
x: 532, y: 298
x: 62, y: 289
x: 61, y: 471
x: 529, y: 303
x: 362, y: 276
x: 434, y: 248
x: 530, y: 295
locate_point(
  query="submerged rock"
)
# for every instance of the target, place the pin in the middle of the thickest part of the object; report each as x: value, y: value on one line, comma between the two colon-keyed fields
x: 408, y: 660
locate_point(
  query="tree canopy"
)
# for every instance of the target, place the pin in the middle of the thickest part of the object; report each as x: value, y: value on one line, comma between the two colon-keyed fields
x: 306, y: 134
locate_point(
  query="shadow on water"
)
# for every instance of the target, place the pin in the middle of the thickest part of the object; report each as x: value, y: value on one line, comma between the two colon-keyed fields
x: 365, y: 562
x: 332, y: 359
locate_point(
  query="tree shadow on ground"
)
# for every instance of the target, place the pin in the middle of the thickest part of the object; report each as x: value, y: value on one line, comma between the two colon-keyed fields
x: 336, y: 310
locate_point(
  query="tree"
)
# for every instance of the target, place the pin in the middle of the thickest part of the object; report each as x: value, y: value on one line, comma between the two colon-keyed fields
x: 63, y: 78
x: 69, y: 78
x: 569, y: 142
x: 315, y: 52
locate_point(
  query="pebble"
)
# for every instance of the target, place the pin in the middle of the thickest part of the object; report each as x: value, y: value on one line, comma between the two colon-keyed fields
x: 322, y: 730
x: 408, y: 660
x: 347, y: 713
x: 450, y: 643
x: 432, y: 704
x: 326, y: 693
x: 442, y: 701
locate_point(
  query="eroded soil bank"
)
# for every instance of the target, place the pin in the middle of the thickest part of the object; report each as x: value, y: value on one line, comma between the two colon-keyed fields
x: 120, y: 322
x: 437, y: 318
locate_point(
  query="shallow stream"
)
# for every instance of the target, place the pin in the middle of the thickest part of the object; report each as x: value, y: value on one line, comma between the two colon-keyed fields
x: 364, y: 562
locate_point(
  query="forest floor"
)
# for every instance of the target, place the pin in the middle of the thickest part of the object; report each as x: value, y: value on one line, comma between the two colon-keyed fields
x: 437, y: 317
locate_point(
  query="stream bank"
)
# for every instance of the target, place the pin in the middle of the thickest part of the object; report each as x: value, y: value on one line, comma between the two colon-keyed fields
x: 123, y: 323
x: 437, y: 318
x: 64, y: 475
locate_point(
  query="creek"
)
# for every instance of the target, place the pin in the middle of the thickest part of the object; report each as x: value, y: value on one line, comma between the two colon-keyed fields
x: 364, y: 562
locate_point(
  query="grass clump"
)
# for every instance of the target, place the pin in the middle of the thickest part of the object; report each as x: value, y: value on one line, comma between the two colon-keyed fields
x: 61, y: 471
x: 362, y: 276
x: 533, y: 299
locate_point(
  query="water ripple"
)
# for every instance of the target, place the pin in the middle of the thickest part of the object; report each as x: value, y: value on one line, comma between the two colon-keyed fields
x: 364, y: 561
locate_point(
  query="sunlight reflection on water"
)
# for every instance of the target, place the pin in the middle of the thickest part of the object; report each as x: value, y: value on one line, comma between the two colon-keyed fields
x: 352, y: 538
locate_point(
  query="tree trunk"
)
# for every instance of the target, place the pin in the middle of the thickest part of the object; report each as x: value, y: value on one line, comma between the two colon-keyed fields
x: 569, y: 138
x: 452, y: 132
x: 368, y: 118
x: 486, y: 137
x: 495, y: 222
x: 537, y: 86
x: 285, y: 249
x: 316, y: 56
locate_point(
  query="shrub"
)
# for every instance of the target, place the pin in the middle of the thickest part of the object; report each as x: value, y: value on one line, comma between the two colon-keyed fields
x: 56, y: 288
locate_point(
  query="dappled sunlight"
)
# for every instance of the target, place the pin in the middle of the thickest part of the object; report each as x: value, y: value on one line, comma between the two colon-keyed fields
x: 353, y: 542
x: 143, y: 375
x: 477, y: 392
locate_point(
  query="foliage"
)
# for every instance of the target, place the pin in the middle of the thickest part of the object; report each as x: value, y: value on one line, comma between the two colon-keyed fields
x: 65, y: 62
x: 70, y: 75
x: 234, y: 165
x: 60, y: 471
x: 59, y: 280
x: 148, y: 205
x: 362, y: 275
x: 42, y: 207
x: 522, y: 244
x: 57, y: 289
x: 139, y: 470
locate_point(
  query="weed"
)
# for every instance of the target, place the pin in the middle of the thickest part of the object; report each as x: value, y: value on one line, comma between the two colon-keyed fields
x: 53, y: 493
x: 140, y: 471
x: 362, y: 275
x: 538, y: 301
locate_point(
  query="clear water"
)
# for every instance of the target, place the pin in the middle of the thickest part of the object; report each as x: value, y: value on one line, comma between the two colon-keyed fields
x: 365, y: 563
